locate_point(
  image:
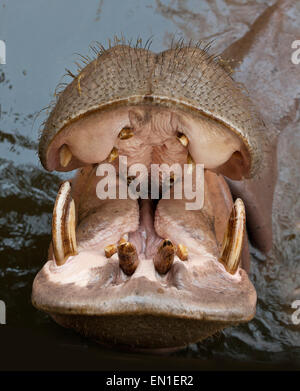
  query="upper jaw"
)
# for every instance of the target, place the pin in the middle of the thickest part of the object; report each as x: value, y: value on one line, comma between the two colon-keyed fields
x: 198, y: 85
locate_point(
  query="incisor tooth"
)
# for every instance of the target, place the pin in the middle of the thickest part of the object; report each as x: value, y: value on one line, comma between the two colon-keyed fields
x: 182, y: 252
x: 65, y: 155
x: 123, y: 239
x: 63, y: 225
x: 113, y: 155
x: 164, y: 258
x: 128, y: 258
x: 183, y: 139
x: 233, y: 237
x: 125, y: 134
x: 110, y: 250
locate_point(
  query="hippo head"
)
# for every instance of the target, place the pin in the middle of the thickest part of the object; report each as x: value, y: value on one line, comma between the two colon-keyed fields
x: 149, y: 272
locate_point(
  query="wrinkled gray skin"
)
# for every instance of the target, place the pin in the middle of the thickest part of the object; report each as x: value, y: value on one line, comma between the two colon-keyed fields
x: 256, y: 191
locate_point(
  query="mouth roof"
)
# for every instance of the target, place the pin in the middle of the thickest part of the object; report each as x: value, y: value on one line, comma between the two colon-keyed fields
x: 101, y: 137
x: 183, y: 78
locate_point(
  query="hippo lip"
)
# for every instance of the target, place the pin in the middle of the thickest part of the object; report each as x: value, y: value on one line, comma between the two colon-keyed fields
x: 204, y: 300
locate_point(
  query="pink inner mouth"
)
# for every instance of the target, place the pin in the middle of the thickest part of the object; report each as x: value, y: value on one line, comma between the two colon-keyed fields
x: 145, y: 222
x: 154, y: 140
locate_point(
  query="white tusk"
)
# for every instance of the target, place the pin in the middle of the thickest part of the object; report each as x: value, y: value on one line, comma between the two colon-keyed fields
x: 63, y: 225
x: 234, y: 237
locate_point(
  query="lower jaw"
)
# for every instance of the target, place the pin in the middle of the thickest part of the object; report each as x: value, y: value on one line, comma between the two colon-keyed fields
x: 148, y: 329
x: 144, y: 333
x: 141, y: 315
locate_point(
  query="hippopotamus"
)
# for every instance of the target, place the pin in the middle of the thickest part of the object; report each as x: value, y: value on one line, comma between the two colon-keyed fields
x: 148, y: 273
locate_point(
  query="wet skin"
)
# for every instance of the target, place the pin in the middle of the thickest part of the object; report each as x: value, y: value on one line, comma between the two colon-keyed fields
x: 150, y: 274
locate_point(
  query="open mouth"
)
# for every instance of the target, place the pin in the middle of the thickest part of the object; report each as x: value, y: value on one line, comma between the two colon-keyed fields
x: 146, y: 272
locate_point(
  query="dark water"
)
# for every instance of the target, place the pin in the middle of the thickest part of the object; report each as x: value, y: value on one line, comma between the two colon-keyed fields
x: 41, y: 39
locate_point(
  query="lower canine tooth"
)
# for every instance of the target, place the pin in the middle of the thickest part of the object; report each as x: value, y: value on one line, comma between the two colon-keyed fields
x: 65, y: 155
x: 182, y: 252
x: 233, y: 237
x: 63, y: 225
x: 128, y: 258
x: 164, y: 257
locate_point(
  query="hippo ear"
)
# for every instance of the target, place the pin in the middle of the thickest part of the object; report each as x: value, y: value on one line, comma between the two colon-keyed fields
x: 253, y: 66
